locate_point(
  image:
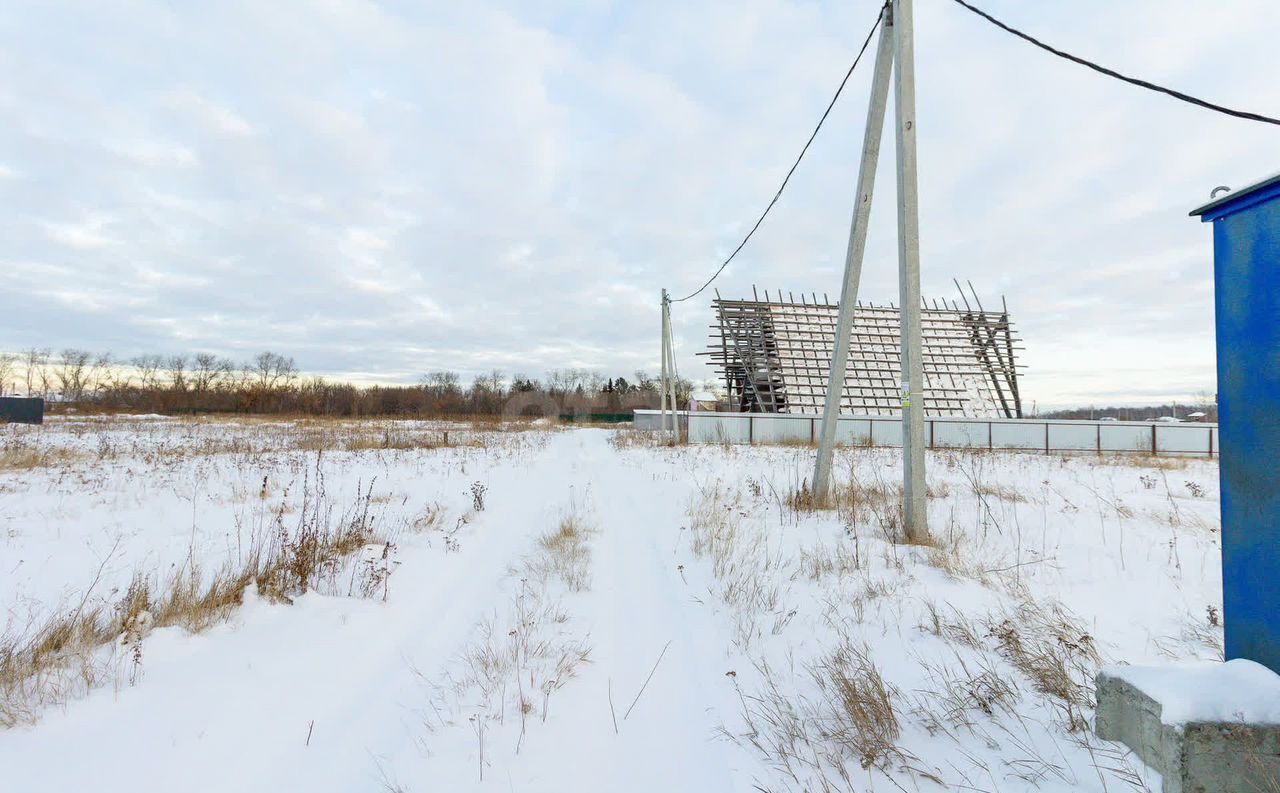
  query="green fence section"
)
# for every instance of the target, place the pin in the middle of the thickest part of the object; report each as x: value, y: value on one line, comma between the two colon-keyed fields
x: 597, y: 418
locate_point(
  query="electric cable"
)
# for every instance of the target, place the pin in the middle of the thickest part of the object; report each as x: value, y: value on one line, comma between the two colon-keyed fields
x: 1245, y: 114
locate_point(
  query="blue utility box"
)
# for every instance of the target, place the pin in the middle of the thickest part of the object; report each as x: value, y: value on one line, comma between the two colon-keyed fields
x: 1246, y: 276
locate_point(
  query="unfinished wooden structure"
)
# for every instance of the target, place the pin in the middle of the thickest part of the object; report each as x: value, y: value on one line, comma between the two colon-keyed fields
x: 775, y: 357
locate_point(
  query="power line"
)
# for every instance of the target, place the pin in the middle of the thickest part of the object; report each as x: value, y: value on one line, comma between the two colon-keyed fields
x: 794, y: 165
x: 1112, y: 73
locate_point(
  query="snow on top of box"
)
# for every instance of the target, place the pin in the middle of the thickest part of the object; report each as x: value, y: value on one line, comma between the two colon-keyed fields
x: 1238, y: 690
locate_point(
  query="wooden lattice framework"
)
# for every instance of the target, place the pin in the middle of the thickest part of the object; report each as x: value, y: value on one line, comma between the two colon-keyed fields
x: 775, y: 357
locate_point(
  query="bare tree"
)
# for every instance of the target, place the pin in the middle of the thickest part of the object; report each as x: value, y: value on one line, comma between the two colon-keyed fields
x: 71, y: 372
x: 441, y: 384
x: 177, y: 370
x: 116, y: 380
x: 36, y: 362
x: 95, y: 378
x: 148, y: 367
x: 497, y: 381
x: 8, y: 369
x: 226, y: 372
x: 559, y: 381
x: 205, y: 371
x: 644, y: 383
x: 271, y: 370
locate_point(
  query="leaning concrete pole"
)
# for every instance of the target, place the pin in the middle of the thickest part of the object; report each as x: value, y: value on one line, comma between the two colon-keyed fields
x: 914, y: 503
x: 662, y: 382
x: 671, y: 376
x: 853, y: 260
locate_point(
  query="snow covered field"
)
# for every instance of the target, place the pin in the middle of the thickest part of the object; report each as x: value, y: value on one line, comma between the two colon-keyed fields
x: 534, y: 608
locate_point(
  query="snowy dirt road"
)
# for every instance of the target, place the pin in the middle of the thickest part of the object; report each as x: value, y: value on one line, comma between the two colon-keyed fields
x: 233, y: 708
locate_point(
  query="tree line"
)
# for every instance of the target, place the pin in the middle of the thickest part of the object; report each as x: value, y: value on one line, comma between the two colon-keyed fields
x: 271, y: 383
x: 1201, y: 403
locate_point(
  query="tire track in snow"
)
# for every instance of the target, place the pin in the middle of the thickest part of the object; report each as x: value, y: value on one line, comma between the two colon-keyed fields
x: 638, y: 602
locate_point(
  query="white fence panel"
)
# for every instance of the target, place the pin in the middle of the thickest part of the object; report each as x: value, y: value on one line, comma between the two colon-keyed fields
x: 1073, y: 437
x: 851, y: 432
x: 647, y: 420
x: 1017, y: 435
x: 1025, y: 434
x: 781, y: 429
x: 1126, y: 437
x: 1184, y: 439
x: 886, y: 432
x: 960, y: 434
x: 719, y: 428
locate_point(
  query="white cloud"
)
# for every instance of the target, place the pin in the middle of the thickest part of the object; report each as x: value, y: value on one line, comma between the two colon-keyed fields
x: 83, y: 235
x: 207, y: 112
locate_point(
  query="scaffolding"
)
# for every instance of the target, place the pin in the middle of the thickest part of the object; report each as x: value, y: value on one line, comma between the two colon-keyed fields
x: 775, y: 357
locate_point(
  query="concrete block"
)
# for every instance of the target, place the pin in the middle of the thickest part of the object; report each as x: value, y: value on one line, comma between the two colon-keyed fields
x: 1192, y: 756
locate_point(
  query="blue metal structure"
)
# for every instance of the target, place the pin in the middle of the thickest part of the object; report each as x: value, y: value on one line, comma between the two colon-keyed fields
x: 1246, y: 253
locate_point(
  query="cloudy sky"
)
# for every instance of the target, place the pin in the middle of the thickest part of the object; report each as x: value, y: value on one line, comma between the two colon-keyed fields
x: 383, y: 189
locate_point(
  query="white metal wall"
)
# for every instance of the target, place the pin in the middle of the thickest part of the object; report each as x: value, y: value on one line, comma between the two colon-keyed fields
x: 958, y: 433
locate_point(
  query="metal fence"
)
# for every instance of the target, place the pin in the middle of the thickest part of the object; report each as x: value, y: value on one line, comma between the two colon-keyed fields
x: 1043, y: 435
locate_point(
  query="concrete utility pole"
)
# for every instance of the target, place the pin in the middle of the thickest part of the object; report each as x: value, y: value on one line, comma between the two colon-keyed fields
x: 914, y: 502
x: 667, y: 383
x: 666, y: 357
x: 895, y: 40
x: 671, y: 376
x: 853, y: 258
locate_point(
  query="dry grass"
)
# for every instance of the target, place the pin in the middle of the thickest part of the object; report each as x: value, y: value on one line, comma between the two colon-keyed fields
x: 1054, y: 651
x: 564, y: 554
x: 531, y: 650
x: 1026, y: 654
x: 952, y: 561
x: 713, y: 531
x: 962, y: 690
x: 953, y: 626
x: 747, y: 571
x: 999, y: 492
x: 823, y: 561
x: 793, y: 443
x: 18, y: 455
x: 621, y: 438
x: 850, y: 715
x: 515, y: 669
x: 429, y: 518
x: 856, y: 502
x: 1197, y: 634
x: 77, y: 442
x: 853, y: 500
x: 357, y: 436
x: 77, y: 650
x: 861, y: 718
x: 1016, y: 678
x: 811, y: 740
x: 1139, y: 460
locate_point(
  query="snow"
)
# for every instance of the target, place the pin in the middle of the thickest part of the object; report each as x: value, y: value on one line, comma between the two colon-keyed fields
x: 1238, y: 690
x: 707, y: 603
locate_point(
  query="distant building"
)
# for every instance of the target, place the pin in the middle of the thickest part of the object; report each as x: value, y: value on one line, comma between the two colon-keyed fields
x: 703, y: 400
